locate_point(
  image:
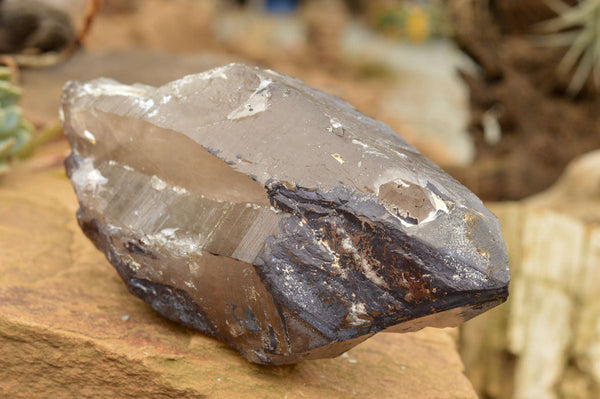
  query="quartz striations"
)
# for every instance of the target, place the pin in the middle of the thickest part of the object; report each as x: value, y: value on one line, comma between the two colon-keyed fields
x: 273, y: 216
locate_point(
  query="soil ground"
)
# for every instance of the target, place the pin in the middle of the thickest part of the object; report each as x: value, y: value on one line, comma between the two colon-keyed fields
x: 542, y: 128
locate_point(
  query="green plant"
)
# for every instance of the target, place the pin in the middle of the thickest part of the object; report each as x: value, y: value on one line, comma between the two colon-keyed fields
x: 15, y: 131
x: 578, y: 28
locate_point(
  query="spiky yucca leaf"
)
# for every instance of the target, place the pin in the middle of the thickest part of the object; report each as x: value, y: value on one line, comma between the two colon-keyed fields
x: 577, y: 27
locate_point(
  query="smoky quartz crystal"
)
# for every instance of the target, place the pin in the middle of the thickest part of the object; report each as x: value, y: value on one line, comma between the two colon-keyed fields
x: 275, y: 217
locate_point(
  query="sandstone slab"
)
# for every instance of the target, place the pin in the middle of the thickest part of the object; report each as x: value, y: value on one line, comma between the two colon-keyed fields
x: 70, y: 329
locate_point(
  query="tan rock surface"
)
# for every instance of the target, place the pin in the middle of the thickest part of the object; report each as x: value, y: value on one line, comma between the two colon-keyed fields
x: 70, y: 329
x: 577, y: 192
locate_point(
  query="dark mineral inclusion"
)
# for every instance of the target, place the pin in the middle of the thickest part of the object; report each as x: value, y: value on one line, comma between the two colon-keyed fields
x: 275, y: 217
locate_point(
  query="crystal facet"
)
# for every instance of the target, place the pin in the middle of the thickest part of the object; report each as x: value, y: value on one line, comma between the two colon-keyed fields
x: 275, y: 217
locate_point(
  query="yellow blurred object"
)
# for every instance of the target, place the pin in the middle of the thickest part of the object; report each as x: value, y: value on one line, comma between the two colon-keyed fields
x: 417, y: 24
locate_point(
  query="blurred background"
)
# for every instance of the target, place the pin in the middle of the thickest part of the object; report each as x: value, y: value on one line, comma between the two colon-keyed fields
x: 505, y: 95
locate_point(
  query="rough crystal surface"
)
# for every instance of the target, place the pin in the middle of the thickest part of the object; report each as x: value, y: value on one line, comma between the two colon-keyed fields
x: 275, y: 217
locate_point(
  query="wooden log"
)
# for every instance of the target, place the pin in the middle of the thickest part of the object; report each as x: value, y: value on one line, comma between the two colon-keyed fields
x: 545, y: 341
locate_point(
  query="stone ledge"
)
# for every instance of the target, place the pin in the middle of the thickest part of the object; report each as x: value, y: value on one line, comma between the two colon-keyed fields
x: 70, y: 329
